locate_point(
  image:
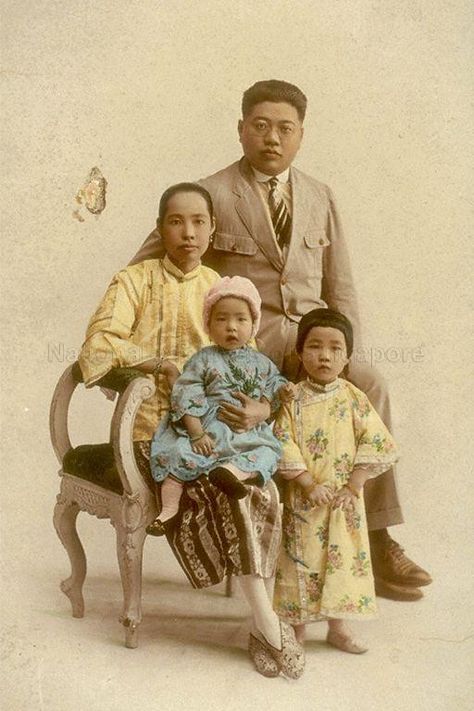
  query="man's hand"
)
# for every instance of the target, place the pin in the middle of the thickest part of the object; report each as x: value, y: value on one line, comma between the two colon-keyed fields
x: 204, y: 445
x: 245, y: 417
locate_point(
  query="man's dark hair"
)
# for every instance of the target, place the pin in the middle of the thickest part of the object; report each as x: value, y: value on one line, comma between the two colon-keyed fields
x: 183, y: 188
x: 276, y: 91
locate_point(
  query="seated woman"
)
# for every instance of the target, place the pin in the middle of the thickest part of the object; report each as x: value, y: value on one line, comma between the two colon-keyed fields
x: 150, y: 319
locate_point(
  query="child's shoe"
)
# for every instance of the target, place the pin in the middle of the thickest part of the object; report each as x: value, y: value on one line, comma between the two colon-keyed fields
x: 345, y: 643
x: 156, y: 528
x: 224, y: 480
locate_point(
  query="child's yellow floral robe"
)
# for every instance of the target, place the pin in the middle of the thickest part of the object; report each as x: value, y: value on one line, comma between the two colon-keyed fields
x: 324, y: 567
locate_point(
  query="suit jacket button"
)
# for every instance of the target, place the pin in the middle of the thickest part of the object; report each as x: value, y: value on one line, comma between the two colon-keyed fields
x: 321, y: 241
x: 283, y: 281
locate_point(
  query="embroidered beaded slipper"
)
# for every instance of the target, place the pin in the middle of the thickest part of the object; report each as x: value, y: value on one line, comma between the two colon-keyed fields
x: 159, y: 527
x: 290, y: 658
x: 262, y: 660
x: 156, y: 528
x: 345, y: 643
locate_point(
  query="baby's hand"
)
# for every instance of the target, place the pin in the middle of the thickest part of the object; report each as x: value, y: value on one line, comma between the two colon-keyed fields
x: 204, y: 445
x: 287, y: 392
x: 344, y: 499
x: 320, y: 495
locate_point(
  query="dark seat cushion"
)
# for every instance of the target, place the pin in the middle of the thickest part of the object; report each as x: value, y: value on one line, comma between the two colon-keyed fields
x: 117, y: 379
x: 95, y: 463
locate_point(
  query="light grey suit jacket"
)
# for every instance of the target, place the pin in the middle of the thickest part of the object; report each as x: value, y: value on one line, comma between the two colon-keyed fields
x: 316, y: 271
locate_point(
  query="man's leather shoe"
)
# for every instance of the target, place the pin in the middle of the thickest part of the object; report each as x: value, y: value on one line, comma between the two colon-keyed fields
x: 396, y: 592
x: 391, y: 565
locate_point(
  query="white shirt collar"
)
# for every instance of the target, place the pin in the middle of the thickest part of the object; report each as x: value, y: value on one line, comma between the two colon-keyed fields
x: 262, y: 178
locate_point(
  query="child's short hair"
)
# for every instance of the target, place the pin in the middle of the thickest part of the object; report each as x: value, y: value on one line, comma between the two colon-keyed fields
x: 277, y: 91
x: 183, y: 188
x: 327, y: 318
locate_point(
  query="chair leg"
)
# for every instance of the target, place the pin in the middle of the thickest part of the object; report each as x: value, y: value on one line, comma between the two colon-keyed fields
x: 228, y: 586
x: 64, y: 519
x: 130, y: 556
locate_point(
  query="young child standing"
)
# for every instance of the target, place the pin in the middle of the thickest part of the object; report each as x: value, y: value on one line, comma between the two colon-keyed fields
x: 333, y: 441
x: 192, y: 441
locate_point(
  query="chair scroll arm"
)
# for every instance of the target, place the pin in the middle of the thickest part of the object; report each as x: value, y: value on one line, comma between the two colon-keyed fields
x: 58, y: 411
x: 140, y: 388
x: 119, y: 380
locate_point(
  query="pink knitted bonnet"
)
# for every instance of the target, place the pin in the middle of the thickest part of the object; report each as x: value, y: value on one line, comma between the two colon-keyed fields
x: 238, y: 287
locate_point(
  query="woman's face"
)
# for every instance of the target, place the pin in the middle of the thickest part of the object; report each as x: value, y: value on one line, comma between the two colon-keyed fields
x: 186, y: 229
x: 324, y: 354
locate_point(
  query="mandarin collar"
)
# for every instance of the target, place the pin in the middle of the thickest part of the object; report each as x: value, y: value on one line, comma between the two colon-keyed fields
x: 176, y: 271
x: 322, y: 389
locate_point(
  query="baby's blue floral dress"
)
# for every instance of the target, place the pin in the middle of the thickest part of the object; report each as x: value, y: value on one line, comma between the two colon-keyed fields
x: 209, y: 377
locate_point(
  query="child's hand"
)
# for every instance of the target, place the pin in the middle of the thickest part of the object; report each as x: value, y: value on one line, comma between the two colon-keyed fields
x: 170, y: 371
x: 344, y: 499
x: 204, y: 445
x: 320, y: 495
x: 287, y: 392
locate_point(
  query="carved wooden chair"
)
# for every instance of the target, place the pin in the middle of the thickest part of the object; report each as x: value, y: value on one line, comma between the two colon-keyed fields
x: 105, y: 481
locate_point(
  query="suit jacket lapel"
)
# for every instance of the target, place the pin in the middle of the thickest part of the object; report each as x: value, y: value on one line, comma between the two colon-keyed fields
x: 250, y: 210
x: 303, y: 200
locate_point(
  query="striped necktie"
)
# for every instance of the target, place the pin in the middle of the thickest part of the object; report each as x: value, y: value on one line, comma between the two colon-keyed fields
x: 280, y: 216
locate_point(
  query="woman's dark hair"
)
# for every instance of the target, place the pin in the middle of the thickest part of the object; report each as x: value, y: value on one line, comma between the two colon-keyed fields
x: 276, y: 91
x: 183, y: 188
x: 327, y: 319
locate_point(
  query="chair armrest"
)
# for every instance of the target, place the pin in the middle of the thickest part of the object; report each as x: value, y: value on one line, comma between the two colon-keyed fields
x: 121, y: 431
x: 134, y: 387
x: 58, y: 411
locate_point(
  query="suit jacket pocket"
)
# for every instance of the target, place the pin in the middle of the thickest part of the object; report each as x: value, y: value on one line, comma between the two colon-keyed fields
x: 316, y: 238
x: 237, y: 244
x: 315, y: 243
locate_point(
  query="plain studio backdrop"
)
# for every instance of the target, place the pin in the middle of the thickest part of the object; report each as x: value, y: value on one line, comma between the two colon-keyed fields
x: 149, y: 91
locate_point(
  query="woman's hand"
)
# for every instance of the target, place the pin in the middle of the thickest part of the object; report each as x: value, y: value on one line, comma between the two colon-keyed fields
x: 204, y: 445
x: 170, y: 371
x: 320, y: 495
x: 245, y: 417
x: 344, y: 499
x: 148, y: 366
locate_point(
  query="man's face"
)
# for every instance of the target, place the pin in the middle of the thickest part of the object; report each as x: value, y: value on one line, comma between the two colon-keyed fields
x: 271, y: 136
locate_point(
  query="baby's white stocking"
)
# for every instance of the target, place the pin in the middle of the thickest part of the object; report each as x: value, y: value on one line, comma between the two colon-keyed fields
x: 171, y: 491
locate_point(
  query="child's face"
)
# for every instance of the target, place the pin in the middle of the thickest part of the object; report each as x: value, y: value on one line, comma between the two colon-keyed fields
x: 186, y: 229
x: 324, y: 354
x: 231, y: 323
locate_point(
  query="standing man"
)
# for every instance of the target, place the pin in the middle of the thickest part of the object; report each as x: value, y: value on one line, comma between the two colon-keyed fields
x: 279, y: 227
